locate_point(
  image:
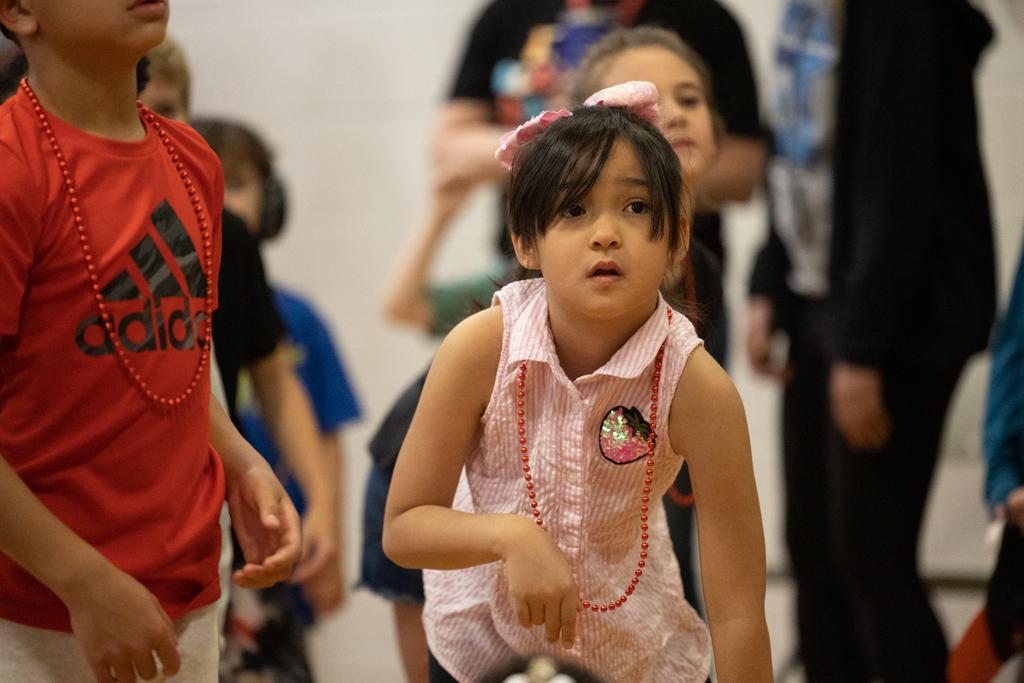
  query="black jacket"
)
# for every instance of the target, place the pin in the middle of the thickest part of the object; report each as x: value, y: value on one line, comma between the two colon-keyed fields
x: 912, y: 266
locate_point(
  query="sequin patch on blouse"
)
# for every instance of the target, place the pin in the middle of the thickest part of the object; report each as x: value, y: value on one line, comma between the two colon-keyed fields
x: 624, y: 433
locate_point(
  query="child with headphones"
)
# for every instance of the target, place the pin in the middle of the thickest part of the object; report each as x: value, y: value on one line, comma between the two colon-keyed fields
x: 255, y: 194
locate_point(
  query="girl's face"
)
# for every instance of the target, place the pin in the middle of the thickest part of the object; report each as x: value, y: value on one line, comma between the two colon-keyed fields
x: 597, y: 257
x: 685, y: 117
x: 243, y: 193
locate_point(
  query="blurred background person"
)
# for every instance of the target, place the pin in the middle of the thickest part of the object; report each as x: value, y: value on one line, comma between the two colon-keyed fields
x: 880, y: 268
x: 254, y: 193
x: 997, y: 633
x: 690, y: 121
x: 249, y: 335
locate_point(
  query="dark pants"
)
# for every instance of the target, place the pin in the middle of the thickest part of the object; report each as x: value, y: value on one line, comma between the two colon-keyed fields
x: 853, y: 520
x: 438, y: 674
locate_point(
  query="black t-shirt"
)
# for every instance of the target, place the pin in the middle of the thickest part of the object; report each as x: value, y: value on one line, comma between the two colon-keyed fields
x: 706, y: 26
x: 246, y: 326
x: 505, y: 26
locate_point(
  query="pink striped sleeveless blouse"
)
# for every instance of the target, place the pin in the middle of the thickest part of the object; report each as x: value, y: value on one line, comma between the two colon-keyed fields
x: 590, y: 504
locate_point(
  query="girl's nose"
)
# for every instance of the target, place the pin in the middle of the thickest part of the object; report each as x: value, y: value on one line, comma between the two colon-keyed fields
x: 671, y: 113
x: 606, y: 234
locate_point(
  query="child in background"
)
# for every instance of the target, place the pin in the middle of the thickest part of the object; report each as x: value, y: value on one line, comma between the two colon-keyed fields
x: 253, y: 192
x: 112, y: 479
x: 997, y: 632
x: 691, y: 123
x: 536, y: 398
x: 250, y: 342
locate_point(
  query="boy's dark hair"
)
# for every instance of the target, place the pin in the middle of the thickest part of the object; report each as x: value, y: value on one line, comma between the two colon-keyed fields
x: 9, y: 35
x: 558, y: 168
x: 11, y: 74
x: 234, y: 143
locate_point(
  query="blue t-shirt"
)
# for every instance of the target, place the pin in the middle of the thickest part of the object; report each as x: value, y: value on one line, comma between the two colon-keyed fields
x: 319, y: 366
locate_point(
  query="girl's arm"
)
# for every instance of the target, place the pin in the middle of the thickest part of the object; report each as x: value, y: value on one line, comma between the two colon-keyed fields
x: 420, y: 528
x: 262, y: 515
x: 708, y: 427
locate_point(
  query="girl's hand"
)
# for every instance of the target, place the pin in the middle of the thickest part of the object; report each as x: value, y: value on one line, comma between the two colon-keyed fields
x: 267, y: 527
x: 119, y: 624
x: 540, y: 584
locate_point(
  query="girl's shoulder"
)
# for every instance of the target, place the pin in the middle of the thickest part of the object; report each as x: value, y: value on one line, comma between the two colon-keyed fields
x: 705, y: 396
x: 472, y: 350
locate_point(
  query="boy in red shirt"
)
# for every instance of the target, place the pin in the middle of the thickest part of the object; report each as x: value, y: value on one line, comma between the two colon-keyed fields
x: 115, y: 459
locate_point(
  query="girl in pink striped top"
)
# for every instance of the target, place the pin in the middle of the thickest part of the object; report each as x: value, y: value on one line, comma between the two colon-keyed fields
x: 530, y: 482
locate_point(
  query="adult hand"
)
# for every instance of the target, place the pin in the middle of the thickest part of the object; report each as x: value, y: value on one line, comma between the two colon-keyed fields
x: 267, y: 527
x: 857, y: 406
x: 119, y: 625
x: 760, y: 326
x: 1015, y: 507
x: 319, y: 569
x: 541, y: 586
x: 464, y: 158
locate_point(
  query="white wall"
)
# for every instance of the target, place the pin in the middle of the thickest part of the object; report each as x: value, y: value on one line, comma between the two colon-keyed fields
x: 346, y: 91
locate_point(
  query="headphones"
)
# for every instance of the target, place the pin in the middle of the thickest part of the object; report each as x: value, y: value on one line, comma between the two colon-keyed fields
x: 273, y: 209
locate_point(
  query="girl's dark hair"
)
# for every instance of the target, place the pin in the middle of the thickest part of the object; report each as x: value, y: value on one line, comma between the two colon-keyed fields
x: 556, y: 169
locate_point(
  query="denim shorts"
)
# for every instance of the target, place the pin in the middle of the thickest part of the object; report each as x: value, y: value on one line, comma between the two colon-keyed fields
x: 379, y: 574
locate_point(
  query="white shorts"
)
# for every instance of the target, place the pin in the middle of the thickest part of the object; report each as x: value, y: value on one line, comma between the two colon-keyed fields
x: 42, y: 656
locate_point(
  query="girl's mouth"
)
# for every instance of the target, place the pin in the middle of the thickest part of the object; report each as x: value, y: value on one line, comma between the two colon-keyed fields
x: 605, y: 270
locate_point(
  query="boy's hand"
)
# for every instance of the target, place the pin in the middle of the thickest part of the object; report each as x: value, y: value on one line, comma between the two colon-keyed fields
x: 119, y: 625
x: 541, y: 585
x: 319, y: 570
x: 267, y: 527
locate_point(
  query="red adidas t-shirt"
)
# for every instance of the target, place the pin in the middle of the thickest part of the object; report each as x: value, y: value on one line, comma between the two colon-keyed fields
x: 140, y: 483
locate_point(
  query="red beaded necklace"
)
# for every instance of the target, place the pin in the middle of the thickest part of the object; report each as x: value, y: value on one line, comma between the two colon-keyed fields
x: 651, y: 439
x: 83, y: 239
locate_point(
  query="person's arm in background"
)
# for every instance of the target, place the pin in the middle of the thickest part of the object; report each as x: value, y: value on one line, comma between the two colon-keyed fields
x: 465, y: 139
x: 324, y: 583
x: 1003, y: 444
x: 769, y: 308
x: 736, y: 172
x: 320, y: 369
x: 288, y: 413
x: 408, y: 299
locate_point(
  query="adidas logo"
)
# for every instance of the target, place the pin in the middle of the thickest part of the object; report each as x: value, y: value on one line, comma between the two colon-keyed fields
x: 159, y: 326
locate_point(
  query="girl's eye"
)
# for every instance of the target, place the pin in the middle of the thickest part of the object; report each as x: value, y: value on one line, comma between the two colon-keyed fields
x: 637, y: 207
x: 574, y: 211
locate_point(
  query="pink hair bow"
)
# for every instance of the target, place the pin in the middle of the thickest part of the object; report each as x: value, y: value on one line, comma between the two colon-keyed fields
x: 511, y: 140
x: 640, y: 97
